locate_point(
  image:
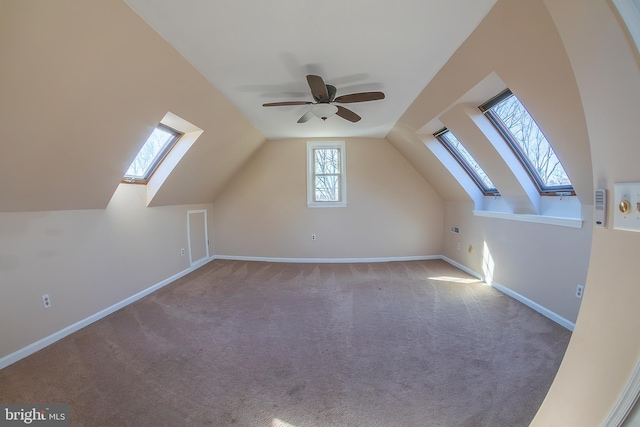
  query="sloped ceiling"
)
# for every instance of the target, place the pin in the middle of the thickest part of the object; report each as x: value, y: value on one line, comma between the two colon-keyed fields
x: 512, y: 47
x: 82, y: 85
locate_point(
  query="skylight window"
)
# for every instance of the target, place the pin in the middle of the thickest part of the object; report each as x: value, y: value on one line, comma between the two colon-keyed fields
x: 529, y: 143
x: 154, y: 150
x: 466, y: 160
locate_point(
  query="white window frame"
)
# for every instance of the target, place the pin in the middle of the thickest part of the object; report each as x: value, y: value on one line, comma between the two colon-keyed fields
x: 314, y: 145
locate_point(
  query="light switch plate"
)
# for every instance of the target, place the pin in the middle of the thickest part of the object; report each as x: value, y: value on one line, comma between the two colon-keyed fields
x: 626, y: 206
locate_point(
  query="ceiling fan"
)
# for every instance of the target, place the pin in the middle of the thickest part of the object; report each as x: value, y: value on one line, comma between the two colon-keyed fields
x: 324, y: 96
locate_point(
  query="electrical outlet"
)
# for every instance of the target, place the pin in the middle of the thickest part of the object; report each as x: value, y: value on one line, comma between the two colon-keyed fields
x: 313, y: 237
x: 182, y: 251
x: 46, y: 301
x: 579, y: 291
x: 458, y: 246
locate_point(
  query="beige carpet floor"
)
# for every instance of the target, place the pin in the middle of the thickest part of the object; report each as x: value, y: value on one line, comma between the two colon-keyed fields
x: 269, y: 344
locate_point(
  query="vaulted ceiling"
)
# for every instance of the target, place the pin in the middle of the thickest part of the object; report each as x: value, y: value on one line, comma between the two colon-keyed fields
x: 259, y: 52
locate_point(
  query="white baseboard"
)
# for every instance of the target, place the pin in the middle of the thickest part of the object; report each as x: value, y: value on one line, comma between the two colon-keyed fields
x: 46, y: 341
x: 462, y: 267
x: 327, y: 260
x: 537, y: 307
x: 513, y: 294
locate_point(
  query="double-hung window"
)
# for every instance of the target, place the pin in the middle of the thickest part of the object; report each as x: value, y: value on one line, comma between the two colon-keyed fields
x: 528, y: 142
x: 154, y: 150
x: 466, y: 160
x: 326, y: 177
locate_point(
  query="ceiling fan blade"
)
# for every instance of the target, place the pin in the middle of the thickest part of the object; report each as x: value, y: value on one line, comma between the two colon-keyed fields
x: 360, y: 97
x: 281, y: 104
x: 347, y: 114
x: 305, y: 118
x: 318, y: 88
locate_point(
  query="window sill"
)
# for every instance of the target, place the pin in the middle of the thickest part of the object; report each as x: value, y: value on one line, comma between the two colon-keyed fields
x: 540, y: 219
x: 327, y: 205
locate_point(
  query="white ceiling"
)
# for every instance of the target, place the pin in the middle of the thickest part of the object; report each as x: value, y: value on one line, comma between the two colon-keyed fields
x: 260, y: 51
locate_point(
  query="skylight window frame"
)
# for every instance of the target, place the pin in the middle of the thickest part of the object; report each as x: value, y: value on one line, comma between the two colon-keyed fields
x: 129, y: 179
x: 440, y: 136
x: 543, y: 189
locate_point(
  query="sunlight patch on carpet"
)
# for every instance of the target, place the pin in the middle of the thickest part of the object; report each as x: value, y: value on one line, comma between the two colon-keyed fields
x: 279, y: 423
x: 454, y: 279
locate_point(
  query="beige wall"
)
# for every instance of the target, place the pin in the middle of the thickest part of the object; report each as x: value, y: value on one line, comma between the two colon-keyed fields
x: 83, y: 84
x: 605, y: 346
x: 391, y: 211
x: 519, y: 43
x: 541, y: 262
x: 86, y: 261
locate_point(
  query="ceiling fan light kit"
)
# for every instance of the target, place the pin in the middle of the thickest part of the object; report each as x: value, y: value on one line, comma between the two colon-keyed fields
x: 324, y: 96
x: 323, y: 111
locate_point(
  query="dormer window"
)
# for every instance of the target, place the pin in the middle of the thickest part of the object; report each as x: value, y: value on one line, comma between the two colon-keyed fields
x: 154, y: 150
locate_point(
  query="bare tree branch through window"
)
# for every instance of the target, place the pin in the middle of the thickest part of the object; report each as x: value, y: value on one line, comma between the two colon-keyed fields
x: 513, y: 118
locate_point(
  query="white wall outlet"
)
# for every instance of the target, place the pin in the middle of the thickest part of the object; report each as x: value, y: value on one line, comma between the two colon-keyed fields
x: 46, y: 301
x: 458, y: 246
x: 182, y: 251
x: 313, y: 237
x: 455, y: 229
x: 579, y: 291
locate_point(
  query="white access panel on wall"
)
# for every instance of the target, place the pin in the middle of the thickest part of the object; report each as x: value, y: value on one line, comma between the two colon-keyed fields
x: 626, y: 208
x: 197, y: 236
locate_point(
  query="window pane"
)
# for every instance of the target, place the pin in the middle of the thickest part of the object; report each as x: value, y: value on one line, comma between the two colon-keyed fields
x: 326, y: 176
x: 467, y: 158
x: 155, y: 145
x: 327, y: 160
x: 327, y: 188
x: 531, y: 142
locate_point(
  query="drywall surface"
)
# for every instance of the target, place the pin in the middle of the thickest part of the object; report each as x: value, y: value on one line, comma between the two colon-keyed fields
x: 605, y: 345
x: 86, y: 261
x: 541, y: 262
x: 518, y: 43
x: 391, y: 211
x: 83, y: 84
